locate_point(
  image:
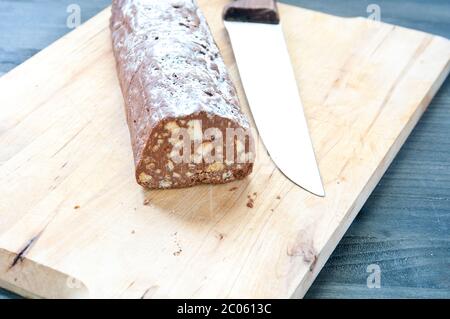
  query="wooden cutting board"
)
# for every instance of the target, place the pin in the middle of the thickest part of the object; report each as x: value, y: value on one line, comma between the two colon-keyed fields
x: 73, y: 221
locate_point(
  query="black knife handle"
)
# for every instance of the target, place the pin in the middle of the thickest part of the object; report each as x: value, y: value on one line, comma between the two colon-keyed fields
x: 259, y: 11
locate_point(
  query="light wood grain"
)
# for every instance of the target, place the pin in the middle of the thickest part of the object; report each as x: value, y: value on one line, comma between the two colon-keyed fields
x: 64, y: 143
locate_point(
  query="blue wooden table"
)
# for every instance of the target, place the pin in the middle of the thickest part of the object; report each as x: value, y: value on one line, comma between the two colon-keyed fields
x: 404, y: 228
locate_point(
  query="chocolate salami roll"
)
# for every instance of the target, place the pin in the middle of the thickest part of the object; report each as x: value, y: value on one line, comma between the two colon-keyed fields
x: 182, y: 109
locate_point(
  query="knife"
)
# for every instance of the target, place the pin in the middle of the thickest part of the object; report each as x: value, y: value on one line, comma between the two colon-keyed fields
x: 272, y: 93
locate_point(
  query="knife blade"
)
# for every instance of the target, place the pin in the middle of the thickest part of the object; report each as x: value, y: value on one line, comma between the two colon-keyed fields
x: 270, y: 86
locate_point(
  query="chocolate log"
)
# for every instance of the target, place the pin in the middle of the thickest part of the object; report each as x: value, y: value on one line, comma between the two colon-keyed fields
x: 182, y: 109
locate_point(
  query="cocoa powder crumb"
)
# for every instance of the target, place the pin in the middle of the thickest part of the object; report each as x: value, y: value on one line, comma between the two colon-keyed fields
x: 251, y: 199
x: 278, y: 197
x: 175, y: 240
x: 178, y: 252
x: 76, y: 207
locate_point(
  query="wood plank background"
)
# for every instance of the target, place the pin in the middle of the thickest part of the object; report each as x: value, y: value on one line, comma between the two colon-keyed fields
x: 405, y: 225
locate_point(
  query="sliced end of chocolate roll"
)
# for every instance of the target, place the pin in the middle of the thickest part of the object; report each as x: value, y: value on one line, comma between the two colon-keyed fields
x: 198, y: 149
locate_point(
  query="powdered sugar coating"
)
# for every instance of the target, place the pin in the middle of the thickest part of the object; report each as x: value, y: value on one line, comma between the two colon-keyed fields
x: 169, y: 66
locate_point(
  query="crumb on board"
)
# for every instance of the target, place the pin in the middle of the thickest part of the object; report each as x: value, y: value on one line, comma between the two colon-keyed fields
x: 147, y: 202
x: 178, y: 252
x: 76, y: 207
x: 232, y: 189
x: 133, y: 232
x: 177, y: 244
x: 251, y: 199
x: 278, y: 197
